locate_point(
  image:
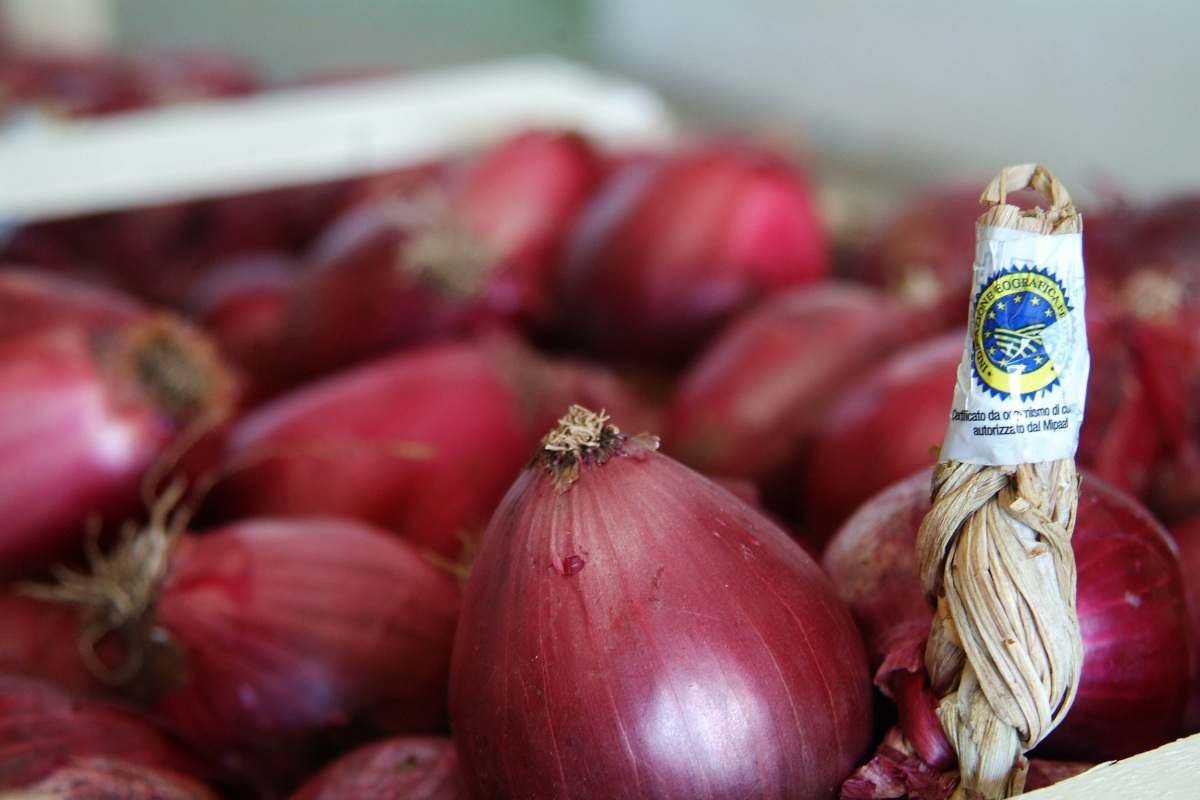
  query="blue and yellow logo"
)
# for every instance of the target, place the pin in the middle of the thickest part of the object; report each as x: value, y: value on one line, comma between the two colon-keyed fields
x: 1011, y: 311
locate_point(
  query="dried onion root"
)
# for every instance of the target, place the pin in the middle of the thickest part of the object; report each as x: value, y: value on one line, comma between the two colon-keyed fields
x: 994, y: 552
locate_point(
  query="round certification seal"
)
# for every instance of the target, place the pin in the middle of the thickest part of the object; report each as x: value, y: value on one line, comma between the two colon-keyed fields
x: 1011, y: 312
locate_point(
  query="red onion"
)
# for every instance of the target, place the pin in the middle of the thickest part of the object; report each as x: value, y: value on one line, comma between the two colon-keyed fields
x: 42, y: 728
x: 257, y: 638
x: 84, y: 416
x: 475, y: 252
x: 33, y: 300
x: 883, y: 427
x: 424, y: 442
x: 751, y: 403
x: 398, y: 768
x: 1130, y: 601
x: 101, y: 778
x: 632, y: 630
x: 674, y: 247
x: 354, y: 302
x: 518, y: 200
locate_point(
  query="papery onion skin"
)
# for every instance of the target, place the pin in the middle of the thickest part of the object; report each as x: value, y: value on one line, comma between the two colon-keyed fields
x: 752, y: 402
x: 396, y: 768
x: 43, y: 727
x: 670, y: 249
x: 1130, y: 601
x: 872, y: 562
x: 289, y: 628
x: 645, y: 634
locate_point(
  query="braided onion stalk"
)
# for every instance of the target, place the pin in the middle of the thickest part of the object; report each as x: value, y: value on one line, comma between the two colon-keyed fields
x: 994, y: 552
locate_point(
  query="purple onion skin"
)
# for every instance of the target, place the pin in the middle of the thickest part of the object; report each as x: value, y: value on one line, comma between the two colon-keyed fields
x: 647, y: 635
x: 1134, y: 619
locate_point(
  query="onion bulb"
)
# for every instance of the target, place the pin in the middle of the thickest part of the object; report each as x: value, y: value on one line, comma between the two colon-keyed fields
x: 671, y: 248
x: 632, y: 630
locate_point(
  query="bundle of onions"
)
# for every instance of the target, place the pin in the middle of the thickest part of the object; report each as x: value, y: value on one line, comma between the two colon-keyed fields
x: 632, y: 630
x: 87, y: 416
x: 260, y: 637
x: 472, y: 251
x: 399, y: 767
x: 424, y: 442
x: 673, y: 247
x: 1131, y: 605
x: 751, y: 403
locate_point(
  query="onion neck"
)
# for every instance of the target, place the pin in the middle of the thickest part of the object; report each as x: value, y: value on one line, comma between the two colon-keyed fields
x: 119, y: 595
x: 172, y: 366
x: 581, y: 437
x: 451, y: 259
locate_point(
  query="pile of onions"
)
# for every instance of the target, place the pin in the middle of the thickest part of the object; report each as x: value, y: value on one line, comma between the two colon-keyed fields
x: 1131, y: 604
x: 751, y: 403
x: 632, y: 630
x: 424, y: 442
x: 260, y: 638
x: 673, y: 247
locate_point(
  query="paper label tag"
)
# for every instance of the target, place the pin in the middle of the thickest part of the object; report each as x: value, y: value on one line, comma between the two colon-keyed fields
x: 1021, y: 386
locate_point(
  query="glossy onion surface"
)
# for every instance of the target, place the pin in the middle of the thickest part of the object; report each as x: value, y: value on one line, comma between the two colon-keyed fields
x: 644, y: 634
